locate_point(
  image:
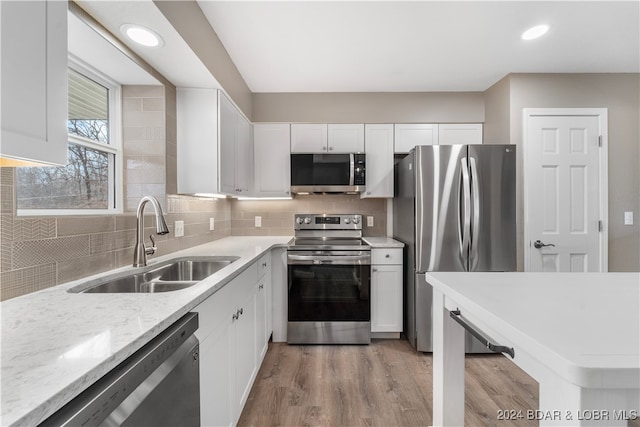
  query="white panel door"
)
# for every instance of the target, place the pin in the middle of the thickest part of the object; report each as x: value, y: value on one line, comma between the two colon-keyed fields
x: 563, y: 211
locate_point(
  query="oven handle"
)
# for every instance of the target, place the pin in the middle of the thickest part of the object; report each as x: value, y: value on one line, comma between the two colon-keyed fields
x: 324, y: 260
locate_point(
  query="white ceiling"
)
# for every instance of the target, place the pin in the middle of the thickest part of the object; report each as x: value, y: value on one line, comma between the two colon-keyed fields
x: 389, y: 46
x: 341, y: 46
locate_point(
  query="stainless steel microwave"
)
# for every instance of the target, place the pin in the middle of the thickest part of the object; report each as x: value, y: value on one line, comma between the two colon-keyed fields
x: 327, y: 173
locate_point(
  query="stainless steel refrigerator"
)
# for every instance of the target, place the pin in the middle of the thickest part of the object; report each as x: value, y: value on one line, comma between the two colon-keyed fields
x: 455, y: 210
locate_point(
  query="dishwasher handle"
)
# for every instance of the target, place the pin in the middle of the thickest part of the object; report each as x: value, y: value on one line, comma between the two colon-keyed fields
x: 457, y: 316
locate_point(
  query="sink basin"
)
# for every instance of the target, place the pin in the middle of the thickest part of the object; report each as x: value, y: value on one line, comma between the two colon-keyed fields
x: 190, y: 269
x: 170, y: 276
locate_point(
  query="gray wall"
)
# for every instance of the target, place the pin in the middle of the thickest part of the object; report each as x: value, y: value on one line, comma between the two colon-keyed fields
x: 620, y: 94
x: 369, y: 107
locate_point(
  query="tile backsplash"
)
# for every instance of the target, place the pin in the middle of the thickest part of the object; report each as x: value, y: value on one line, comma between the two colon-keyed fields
x: 277, y: 215
x: 38, y: 253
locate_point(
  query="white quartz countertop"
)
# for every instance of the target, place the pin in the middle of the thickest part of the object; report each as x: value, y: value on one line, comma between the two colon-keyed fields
x: 584, y: 326
x: 383, y: 242
x: 55, y: 343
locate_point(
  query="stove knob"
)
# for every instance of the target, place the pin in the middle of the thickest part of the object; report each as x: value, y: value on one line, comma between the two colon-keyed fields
x: 355, y: 220
x: 347, y: 221
x: 307, y: 220
x: 299, y: 220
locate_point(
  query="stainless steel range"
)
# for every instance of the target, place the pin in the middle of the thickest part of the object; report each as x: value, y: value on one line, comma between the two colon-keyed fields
x: 329, y: 275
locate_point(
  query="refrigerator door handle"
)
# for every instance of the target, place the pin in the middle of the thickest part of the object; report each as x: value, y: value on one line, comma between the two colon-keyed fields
x: 475, y: 225
x: 465, y: 230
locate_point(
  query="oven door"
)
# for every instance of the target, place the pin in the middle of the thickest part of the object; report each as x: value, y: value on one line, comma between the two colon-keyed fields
x: 329, y: 297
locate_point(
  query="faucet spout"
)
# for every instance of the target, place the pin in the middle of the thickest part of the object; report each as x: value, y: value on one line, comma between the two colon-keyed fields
x: 140, y: 252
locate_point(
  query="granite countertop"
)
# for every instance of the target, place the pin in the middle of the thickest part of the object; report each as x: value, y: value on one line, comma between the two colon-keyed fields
x: 55, y: 343
x: 383, y: 242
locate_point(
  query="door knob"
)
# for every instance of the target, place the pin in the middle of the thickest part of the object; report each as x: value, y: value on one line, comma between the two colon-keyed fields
x: 538, y: 244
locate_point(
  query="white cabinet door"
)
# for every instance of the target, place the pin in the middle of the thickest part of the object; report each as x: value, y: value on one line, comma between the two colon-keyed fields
x: 244, y: 155
x: 386, y: 298
x: 34, y: 81
x: 236, y: 154
x: 379, y: 152
x: 197, y: 140
x: 345, y: 138
x: 227, y: 135
x: 216, y: 376
x: 459, y: 133
x: 386, y: 290
x: 244, y: 352
x: 262, y: 335
x: 408, y: 136
x: 308, y: 138
x: 271, y: 145
x: 215, y: 327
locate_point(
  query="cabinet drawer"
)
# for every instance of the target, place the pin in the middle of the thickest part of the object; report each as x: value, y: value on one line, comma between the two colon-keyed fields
x: 386, y: 256
x: 264, y: 264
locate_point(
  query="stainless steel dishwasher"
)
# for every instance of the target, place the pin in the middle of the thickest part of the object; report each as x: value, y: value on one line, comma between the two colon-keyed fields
x: 158, y: 385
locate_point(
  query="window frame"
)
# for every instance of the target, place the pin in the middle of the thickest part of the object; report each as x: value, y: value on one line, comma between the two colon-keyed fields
x: 116, y: 173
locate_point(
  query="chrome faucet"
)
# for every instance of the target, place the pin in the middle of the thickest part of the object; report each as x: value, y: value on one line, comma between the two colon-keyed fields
x: 140, y: 252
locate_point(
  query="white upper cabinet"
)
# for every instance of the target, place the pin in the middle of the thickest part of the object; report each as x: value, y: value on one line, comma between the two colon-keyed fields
x: 323, y: 138
x: 460, y: 133
x: 34, y: 81
x: 215, y: 149
x: 236, y: 154
x: 197, y: 139
x: 272, y: 159
x: 379, y: 158
x: 345, y: 138
x: 408, y: 136
x: 308, y: 138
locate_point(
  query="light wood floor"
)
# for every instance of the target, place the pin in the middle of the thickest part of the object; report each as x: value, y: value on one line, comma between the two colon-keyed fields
x: 386, y: 383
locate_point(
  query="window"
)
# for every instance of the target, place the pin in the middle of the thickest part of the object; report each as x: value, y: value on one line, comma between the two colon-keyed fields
x: 87, y: 183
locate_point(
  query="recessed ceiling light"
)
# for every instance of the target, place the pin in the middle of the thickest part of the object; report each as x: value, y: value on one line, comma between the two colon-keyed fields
x: 142, y: 35
x: 535, y: 32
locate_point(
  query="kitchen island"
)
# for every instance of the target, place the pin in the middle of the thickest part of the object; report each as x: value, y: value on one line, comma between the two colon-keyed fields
x: 55, y: 343
x: 577, y: 334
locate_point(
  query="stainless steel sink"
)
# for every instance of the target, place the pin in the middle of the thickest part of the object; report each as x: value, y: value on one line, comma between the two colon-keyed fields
x: 166, y: 277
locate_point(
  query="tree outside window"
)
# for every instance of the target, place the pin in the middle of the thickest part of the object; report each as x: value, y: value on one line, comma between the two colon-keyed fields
x: 87, y: 182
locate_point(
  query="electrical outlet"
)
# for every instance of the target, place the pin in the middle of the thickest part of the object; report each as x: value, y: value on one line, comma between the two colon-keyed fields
x: 370, y: 221
x: 179, y: 228
x: 212, y: 225
x: 628, y: 218
x: 258, y: 221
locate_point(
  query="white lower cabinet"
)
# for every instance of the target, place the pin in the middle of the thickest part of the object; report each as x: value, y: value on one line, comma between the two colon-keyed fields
x: 386, y: 290
x: 233, y: 334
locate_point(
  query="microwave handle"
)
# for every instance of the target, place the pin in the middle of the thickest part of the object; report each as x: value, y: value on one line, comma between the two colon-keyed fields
x: 352, y: 168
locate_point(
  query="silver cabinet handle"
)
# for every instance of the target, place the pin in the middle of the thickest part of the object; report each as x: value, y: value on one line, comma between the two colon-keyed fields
x: 264, y: 264
x: 387, y: 256
x: 374, y: 269
x: 261, y: 286
x: 457, y: 316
